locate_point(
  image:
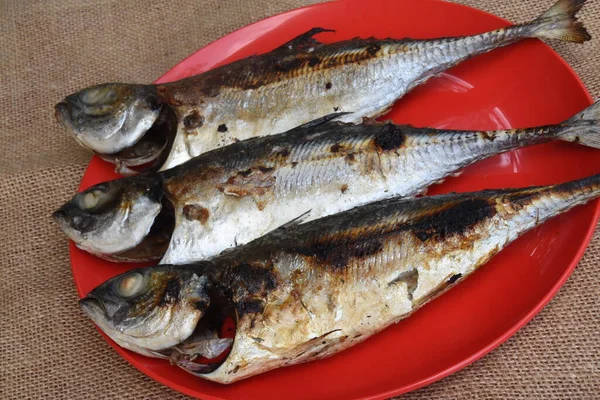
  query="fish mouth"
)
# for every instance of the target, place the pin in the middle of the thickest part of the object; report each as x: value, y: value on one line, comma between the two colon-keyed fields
x: 151, y: 151
x: 92, y: 307
x: 62, y: 113
x: 218, y: 321
x: 61, y: 217
x: 64, y: 220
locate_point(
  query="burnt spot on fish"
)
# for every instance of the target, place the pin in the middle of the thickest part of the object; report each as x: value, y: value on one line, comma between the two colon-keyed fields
x: 454, y: 278
x: 196, y: 212
x: 257, y: 279
x: 252, y: 306
x: 456, y: 218
x: 373, y: 49
x: 280, y: 152
x: 193, y: 120
x: 294, y: 163
x: 336, y: 109
x: 328, y: 85
x: 201, y: 305
x: 335, y: 148
x: 245, y: 172
x: 296, y: 62
x: 266, y: 170
x: 254, y: 182
x: 312, y: 61
x: 350, y: 158
x: 249, y: 285
x: 390, y: 137
x: 339, y: 256
x: 222, y: 128
x: 289, y: 64
x: 344, y: 188
x: 490, y: 136
x: 171, y: 292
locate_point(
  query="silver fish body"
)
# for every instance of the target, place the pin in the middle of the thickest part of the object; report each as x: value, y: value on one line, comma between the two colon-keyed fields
x: 309, y: 291
x: 320, y: 171
x: 274, y: 92
x: 235, y: 194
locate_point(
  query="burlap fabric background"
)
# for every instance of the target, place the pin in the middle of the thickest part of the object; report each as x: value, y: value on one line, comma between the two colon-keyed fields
x: 47, y: 348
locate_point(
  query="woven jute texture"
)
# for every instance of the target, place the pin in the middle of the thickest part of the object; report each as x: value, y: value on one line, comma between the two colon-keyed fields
x: 48, y: 349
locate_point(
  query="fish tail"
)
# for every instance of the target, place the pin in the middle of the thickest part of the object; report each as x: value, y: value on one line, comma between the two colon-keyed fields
x: 552, y: 200
x: 581, y: 190
x: 583, y: 128
x: 560, y: 22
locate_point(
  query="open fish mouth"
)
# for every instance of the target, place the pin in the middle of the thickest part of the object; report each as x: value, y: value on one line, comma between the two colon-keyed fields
x: 62, y: 111
x: 209, y: 345
x: 151, y: 151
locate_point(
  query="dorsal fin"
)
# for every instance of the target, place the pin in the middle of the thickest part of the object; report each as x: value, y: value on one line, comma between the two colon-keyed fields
x: 269, y: 237
x: 292, y: 223
x: 320, y: 121
x: 304, y: 41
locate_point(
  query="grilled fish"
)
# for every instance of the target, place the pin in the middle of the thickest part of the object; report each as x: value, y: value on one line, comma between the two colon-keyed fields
x: 309, y: 291
x: 141, y: 127
x: 237, y: 193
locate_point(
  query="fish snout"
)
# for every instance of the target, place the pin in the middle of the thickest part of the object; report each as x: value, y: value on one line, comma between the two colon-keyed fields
x: 92, y: 306
x: 61, y: 216
x: 73, y: 221
x: 63, y: 112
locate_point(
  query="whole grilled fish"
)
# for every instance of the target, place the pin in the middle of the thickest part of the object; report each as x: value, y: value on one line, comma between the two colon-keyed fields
x: 310, y: 291
x: 140, y: 127
x: 237, y: 193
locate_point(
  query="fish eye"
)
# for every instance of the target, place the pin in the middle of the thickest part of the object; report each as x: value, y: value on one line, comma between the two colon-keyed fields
x: 98, y: 96
x: 95, y: 198
x: 90, y: 200
x: 130, y: 285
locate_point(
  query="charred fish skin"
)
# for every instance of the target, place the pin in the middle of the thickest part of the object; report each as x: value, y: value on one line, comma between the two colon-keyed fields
x: 235, y: 194
x: 274, y: 92
x: 324, y: 286
x: 307, y: 291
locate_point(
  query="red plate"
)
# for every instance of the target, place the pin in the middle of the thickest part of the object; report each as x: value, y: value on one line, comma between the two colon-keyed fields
x: 519, y: 86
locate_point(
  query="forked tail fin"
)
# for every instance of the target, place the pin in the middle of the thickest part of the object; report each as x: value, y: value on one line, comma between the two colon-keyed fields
x: 560, y: 22
x: 584, y: 128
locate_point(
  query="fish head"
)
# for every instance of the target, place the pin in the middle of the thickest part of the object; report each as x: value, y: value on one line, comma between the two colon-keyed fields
x: 112, y: 217
x: 110, y: 118
x: 149, y: 309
